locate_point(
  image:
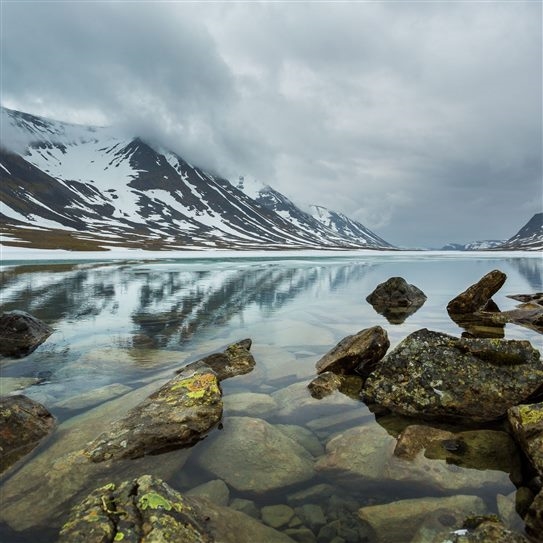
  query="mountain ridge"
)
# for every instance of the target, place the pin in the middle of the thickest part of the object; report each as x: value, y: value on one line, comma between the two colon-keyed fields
x: 87, y: 183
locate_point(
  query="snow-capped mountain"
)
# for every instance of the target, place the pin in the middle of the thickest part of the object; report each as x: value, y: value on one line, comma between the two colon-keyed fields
x: 343, y: 226
x: 79, y: 187
x: 529, y: 237
x: 331, y: 225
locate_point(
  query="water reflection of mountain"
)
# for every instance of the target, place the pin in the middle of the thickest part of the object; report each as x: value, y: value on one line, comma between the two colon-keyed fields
x: 165, y: 303
x: 213, y: 298
x: 531, y: 270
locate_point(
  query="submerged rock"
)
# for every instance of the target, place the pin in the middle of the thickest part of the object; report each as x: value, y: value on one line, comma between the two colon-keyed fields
x: 358, y: 353
x: 437, y: 376
x: 396, y: 299
x: 21, y: 333
x: 477, y: 296
x: 147, y: 510
x: 179, y: 414
x: 235, y: 360
x: 23, y: 423
x: 400, y: 520
x: 251, y: 455
x: 462, y: 461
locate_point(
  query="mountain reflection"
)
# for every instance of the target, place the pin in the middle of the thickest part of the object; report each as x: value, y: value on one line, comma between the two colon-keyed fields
x: 165, y: 303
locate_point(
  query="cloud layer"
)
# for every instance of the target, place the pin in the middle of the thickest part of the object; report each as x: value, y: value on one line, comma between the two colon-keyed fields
x: 421, y: 120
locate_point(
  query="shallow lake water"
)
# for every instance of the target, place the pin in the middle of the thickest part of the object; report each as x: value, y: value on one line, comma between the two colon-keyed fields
x: 121, y: 329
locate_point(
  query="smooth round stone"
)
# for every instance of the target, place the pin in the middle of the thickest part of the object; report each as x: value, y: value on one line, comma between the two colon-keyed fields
x: 277, y: 516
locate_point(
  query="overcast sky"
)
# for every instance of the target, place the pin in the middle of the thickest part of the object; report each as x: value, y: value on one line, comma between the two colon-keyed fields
x: 422, y: 120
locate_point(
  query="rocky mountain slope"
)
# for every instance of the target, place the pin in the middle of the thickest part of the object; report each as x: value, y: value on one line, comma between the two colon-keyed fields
x: 529, y: 237
x: 78, y: 187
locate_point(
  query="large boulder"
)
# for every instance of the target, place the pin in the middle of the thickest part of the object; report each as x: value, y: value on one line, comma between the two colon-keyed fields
x: 23, y: 423
x: 21, y: 333
x: 526, y: 422
x: 235, y: 360
x: 177, y: 415
x: 251, y: 455
x: 358, y: 353
x: 396, y: 299
x: 437, y: 376
x: 478, y: 295
x: 147, y: 510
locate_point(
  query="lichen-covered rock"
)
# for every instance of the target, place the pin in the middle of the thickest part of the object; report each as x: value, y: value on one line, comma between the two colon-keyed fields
x: 434, y: 375
x: 400, y: 520
x: 324, y: 384
x: 23, y: 423
x: 526, y: 421
x: 179, y: 414
x: 358, y: 353
x: 147, y: 510
x: 478, y: 295
x: 251, y: 455
x: 235, y: 360
x: 396, y: 299
x: 21, y: 333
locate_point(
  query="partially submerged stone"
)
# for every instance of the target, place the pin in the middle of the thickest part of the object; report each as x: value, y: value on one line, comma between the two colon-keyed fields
x: 437, y: 376
x: 251, y: 455
x: 534, y: 518
x: 477, y: 295
x: 396, y: 299
x: 147, y: 510
x: 235, y: 360
x: 324, y: 384
x: 21, y: 333
x: 358, y: 353
x: 23, y: 423
x: 178, y: 415
x: 400, y: 520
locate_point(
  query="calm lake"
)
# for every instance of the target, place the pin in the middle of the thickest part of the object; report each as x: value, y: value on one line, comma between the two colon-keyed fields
x: 121, y: 329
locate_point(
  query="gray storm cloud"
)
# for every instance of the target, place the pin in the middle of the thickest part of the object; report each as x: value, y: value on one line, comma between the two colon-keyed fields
x: 421, y: 120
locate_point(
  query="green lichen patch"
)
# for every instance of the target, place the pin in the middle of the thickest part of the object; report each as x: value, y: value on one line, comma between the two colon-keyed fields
x: 530, y: 414
x: 152, y: 500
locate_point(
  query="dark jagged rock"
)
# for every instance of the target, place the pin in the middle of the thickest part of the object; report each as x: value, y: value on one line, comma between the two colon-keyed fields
x: 178, y: 415
x: 529, y: 313
x: 21, y: 333
x: 434, y: 375
x: 358, y: 353
x: 526, y: 422
x: 235, y: 360
x: 478, y: 295
x: 396, y: 299
x: 147, y: 510
x: 23, y: 423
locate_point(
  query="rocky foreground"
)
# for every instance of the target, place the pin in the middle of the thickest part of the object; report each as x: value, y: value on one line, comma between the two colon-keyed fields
x: 455, y: 415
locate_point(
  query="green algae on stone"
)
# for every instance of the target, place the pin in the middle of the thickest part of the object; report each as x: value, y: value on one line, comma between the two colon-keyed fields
x: 152, y: 500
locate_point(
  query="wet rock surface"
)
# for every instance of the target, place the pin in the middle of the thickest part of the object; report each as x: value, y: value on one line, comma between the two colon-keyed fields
x: 147, y: 510
x: 235, y: 360
x: 179, y: 414
x: 358, y: 353
x: 21, y: 333
x: 396, y: 299
x: 324, y: 384
x: 434, y: 375
x: 23, y: 423
x: 478, y: 295
x: 251, y: 455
